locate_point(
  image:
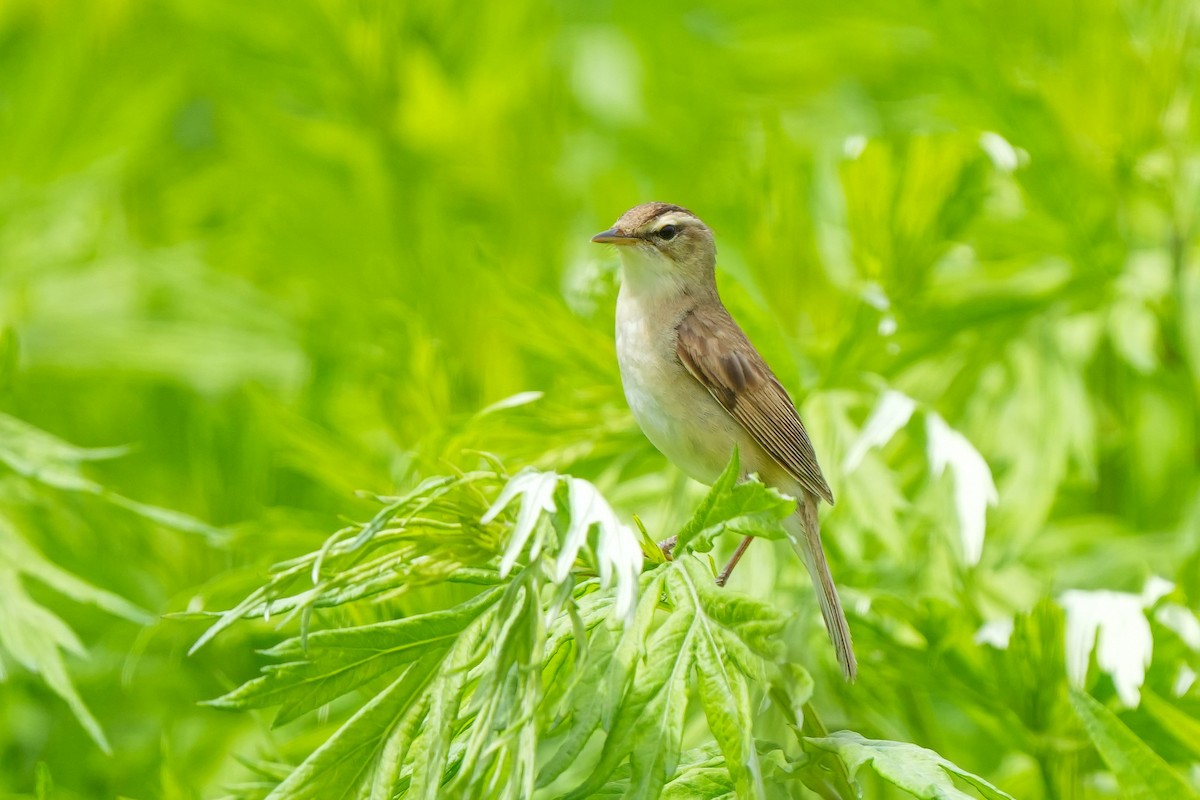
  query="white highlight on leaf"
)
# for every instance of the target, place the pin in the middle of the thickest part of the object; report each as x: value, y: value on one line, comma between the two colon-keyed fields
x: 515, y: 401
x: 618, y: 553
x: 1000, y: 151
x: 1114, y: 624
x: 853, y: 146
x: 1184, y: 680
x: 974, y: 489
x: 1182, y: 621
x: 620, y: 556
x: 537, y: 496
x: 890, y: 415
x: 606, y: 74
x: 874, y: 296
x: 997, y: 633
x: 1156, y: 588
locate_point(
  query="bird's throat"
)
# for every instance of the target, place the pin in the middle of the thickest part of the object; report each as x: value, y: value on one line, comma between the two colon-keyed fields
x: 654, y: 278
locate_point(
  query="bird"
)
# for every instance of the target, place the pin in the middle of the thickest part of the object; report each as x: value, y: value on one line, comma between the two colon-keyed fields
x: 698, y: 388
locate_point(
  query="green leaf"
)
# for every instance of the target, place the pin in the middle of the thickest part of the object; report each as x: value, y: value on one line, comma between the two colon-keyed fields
x: 10, y: 356
x: 418, y: 499
x: 723, y: 692
x: 1183, y: 727
x: 355, y: 753
x: 37, y: 639
x: 1141, y: 773
x: 710, y: 782
x: 502, y: 738
x: 431, y: 751
x: 703, y: 775
x: 650, y: 549
x: 15, y: 550
x: 748, y: 507
x: 648, y: 725
x: 44, y: 790
x: 745, y: 621
x: 719, y: 636
x: 919, y: 771
x: 50, y: 461
x: 790, y: 689
x: 631, y: 647
x: 339, y: 661
x: 585, y: 708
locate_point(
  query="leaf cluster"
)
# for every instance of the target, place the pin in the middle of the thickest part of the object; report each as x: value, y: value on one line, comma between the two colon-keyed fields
x: 533, y: 686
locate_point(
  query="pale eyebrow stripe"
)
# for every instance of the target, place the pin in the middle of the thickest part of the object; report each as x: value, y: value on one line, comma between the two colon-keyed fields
x: 672, y: 218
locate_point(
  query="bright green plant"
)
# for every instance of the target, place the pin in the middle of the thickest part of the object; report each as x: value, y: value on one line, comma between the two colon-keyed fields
x: 565, y: 673
x: 281, y: 257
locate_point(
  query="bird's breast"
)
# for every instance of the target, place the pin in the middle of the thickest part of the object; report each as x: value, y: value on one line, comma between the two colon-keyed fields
x: 674, y: 410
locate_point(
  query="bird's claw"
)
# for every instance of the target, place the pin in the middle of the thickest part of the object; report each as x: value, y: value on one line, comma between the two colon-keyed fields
x: 668, y: 546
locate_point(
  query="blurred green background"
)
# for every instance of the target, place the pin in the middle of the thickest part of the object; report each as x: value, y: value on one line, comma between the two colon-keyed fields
x: 287, y: 251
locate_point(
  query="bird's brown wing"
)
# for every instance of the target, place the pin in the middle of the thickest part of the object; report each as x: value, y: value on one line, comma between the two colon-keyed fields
x: 717, y: 353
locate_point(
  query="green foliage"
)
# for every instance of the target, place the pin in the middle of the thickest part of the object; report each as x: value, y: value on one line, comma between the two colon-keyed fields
x: 739, y: 507
x: 1140, y: 772
x: 918, y: 771
x: 31, y: 634
x: 461, y: 701
x: 278, y: 259
x: 464, y: 697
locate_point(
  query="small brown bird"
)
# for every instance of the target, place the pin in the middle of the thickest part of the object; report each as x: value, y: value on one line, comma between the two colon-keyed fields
x: 698, y: 387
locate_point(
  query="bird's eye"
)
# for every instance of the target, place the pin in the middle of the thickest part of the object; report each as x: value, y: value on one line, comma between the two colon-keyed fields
x: 667, y: 232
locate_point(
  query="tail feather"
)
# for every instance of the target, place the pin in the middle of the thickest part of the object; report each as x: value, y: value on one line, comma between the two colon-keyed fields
x: 804, y: 532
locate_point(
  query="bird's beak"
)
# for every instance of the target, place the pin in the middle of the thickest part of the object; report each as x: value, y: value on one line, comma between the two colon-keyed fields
x: 613, y: 236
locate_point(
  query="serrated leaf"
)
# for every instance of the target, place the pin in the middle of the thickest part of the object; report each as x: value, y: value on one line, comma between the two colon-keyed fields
x: 917, y: 770
x: 585, y: 708
x: 758, y: 625
x: 723, y: 692
x: 36, y: 637
x: 392, y: 755
x: 632, y: 644
x: 17, y: 551
x: 431, y: 750
x: 50, y: 461
x: 349, y: 759
x: 501, y: 739
x: 790, y: 688
x: 749, y: 507
x: 650, y: 549
x: 717, y: 635
x: 1141, y: 773
x: 648, y: 725
x: 339, y: 661
x: 701, y: 783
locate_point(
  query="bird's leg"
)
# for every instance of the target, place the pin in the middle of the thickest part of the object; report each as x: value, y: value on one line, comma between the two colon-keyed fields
x: 668, y: 546
x: 737, y: 556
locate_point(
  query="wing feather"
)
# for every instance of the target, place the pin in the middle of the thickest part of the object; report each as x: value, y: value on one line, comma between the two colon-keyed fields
x: 717, y: 353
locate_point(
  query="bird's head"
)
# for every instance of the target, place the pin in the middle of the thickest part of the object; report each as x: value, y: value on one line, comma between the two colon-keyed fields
x: 663, y: 248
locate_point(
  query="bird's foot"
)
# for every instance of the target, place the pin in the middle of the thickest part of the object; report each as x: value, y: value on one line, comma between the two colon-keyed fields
x: 668, y: 546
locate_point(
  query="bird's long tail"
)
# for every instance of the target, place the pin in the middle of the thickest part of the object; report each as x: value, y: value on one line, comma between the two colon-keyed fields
x: 804, y: 532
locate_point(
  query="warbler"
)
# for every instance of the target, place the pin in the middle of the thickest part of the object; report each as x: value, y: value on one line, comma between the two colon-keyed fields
x: 698, y: 387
